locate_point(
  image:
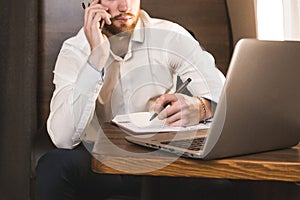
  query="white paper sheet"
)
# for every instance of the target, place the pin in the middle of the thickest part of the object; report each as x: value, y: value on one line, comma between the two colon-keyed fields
x: 139, y: 123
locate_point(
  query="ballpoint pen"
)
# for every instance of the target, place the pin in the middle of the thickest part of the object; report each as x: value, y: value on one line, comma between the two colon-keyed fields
x: 180, y: 89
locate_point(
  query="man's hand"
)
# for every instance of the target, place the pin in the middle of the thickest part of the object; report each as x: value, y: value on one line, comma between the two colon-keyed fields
x: 99, y: 43
x: 182, y: 111
x: 92, y: 17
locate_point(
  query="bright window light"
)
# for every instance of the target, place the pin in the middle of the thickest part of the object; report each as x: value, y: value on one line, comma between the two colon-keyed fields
x: 270, y: 20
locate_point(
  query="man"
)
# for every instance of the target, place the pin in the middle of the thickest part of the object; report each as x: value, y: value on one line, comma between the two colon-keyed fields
x: 128, y: 65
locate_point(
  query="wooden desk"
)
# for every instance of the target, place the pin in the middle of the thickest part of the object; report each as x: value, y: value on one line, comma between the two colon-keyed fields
x: 126, y: 158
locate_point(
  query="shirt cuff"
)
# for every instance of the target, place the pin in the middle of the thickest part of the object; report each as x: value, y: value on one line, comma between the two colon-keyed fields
x: 89, y: 80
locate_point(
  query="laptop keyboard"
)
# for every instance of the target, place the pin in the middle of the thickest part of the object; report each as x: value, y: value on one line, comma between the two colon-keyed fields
x: 190, y: 144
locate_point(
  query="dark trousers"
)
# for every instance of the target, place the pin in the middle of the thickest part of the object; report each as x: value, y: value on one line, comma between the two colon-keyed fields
x: 66, y: 174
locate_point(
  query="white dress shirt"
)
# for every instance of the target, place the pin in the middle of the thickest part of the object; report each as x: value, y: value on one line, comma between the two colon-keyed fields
x: 159, y: 50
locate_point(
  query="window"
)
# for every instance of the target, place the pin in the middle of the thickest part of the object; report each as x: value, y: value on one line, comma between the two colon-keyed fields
x: 278, y: 19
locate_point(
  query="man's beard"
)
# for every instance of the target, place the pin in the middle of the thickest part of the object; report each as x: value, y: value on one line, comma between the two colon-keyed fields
x: 114, y: 30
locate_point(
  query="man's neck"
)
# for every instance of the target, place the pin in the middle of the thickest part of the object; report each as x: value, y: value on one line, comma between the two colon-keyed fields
x: 119, y: 43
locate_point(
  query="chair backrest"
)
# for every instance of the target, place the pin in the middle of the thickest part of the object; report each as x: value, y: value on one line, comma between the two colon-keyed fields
x: 61, y: 19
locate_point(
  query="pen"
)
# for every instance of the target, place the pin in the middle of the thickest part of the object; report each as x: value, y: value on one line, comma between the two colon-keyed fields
x: 180, y: 89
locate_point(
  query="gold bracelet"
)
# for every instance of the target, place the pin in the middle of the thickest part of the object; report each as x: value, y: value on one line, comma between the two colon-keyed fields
x: 203, y: 108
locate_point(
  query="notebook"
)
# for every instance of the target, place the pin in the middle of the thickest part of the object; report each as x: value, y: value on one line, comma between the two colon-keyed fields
x: 139, y: 123
x: 258, y: 110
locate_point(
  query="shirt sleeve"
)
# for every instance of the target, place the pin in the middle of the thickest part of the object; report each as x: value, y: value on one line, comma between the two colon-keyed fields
x: 77, y: 85
x: 191, y: 61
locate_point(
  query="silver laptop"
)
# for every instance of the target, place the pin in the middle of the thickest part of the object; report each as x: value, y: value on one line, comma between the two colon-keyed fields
x: 259, y: 109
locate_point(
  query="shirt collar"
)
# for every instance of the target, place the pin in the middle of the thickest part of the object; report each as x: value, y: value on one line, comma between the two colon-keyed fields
x: 138, y: 33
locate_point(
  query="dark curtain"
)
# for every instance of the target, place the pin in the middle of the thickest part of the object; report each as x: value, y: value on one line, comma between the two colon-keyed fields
x: 18, y: 54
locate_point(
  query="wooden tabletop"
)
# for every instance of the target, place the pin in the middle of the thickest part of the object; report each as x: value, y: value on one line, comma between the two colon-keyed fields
x: 114, y: 155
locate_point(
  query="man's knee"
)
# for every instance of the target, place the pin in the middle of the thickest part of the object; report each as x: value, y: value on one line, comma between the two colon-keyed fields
x: 65, y: 157
x: 60, y: 163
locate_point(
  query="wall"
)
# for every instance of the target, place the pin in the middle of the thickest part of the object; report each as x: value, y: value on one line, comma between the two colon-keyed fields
x: 18, y: 64
x: 242, y: 16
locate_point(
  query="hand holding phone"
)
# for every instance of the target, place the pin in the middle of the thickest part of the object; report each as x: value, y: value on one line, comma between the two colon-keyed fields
x: 102, y: 22
x: 95, y: 16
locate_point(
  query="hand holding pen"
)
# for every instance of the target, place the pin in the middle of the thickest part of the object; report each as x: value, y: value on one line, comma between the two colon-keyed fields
x: 180, y: 89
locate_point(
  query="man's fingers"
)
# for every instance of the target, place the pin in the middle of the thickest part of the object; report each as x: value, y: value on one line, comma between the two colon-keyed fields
x: 164, y: 100
x: 173, y: 118
x: 93, y: 16
x: 93, y: 9
x: 94, y: 2
x: 169, y: 111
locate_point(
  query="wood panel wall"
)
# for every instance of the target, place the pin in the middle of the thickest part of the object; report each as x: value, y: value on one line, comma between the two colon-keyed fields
x: 243, y: 20
x: 208, y: 19
x: 61, y: 19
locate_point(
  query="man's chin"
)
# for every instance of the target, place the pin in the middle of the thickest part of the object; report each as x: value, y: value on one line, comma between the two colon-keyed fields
x: 116, y: 29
